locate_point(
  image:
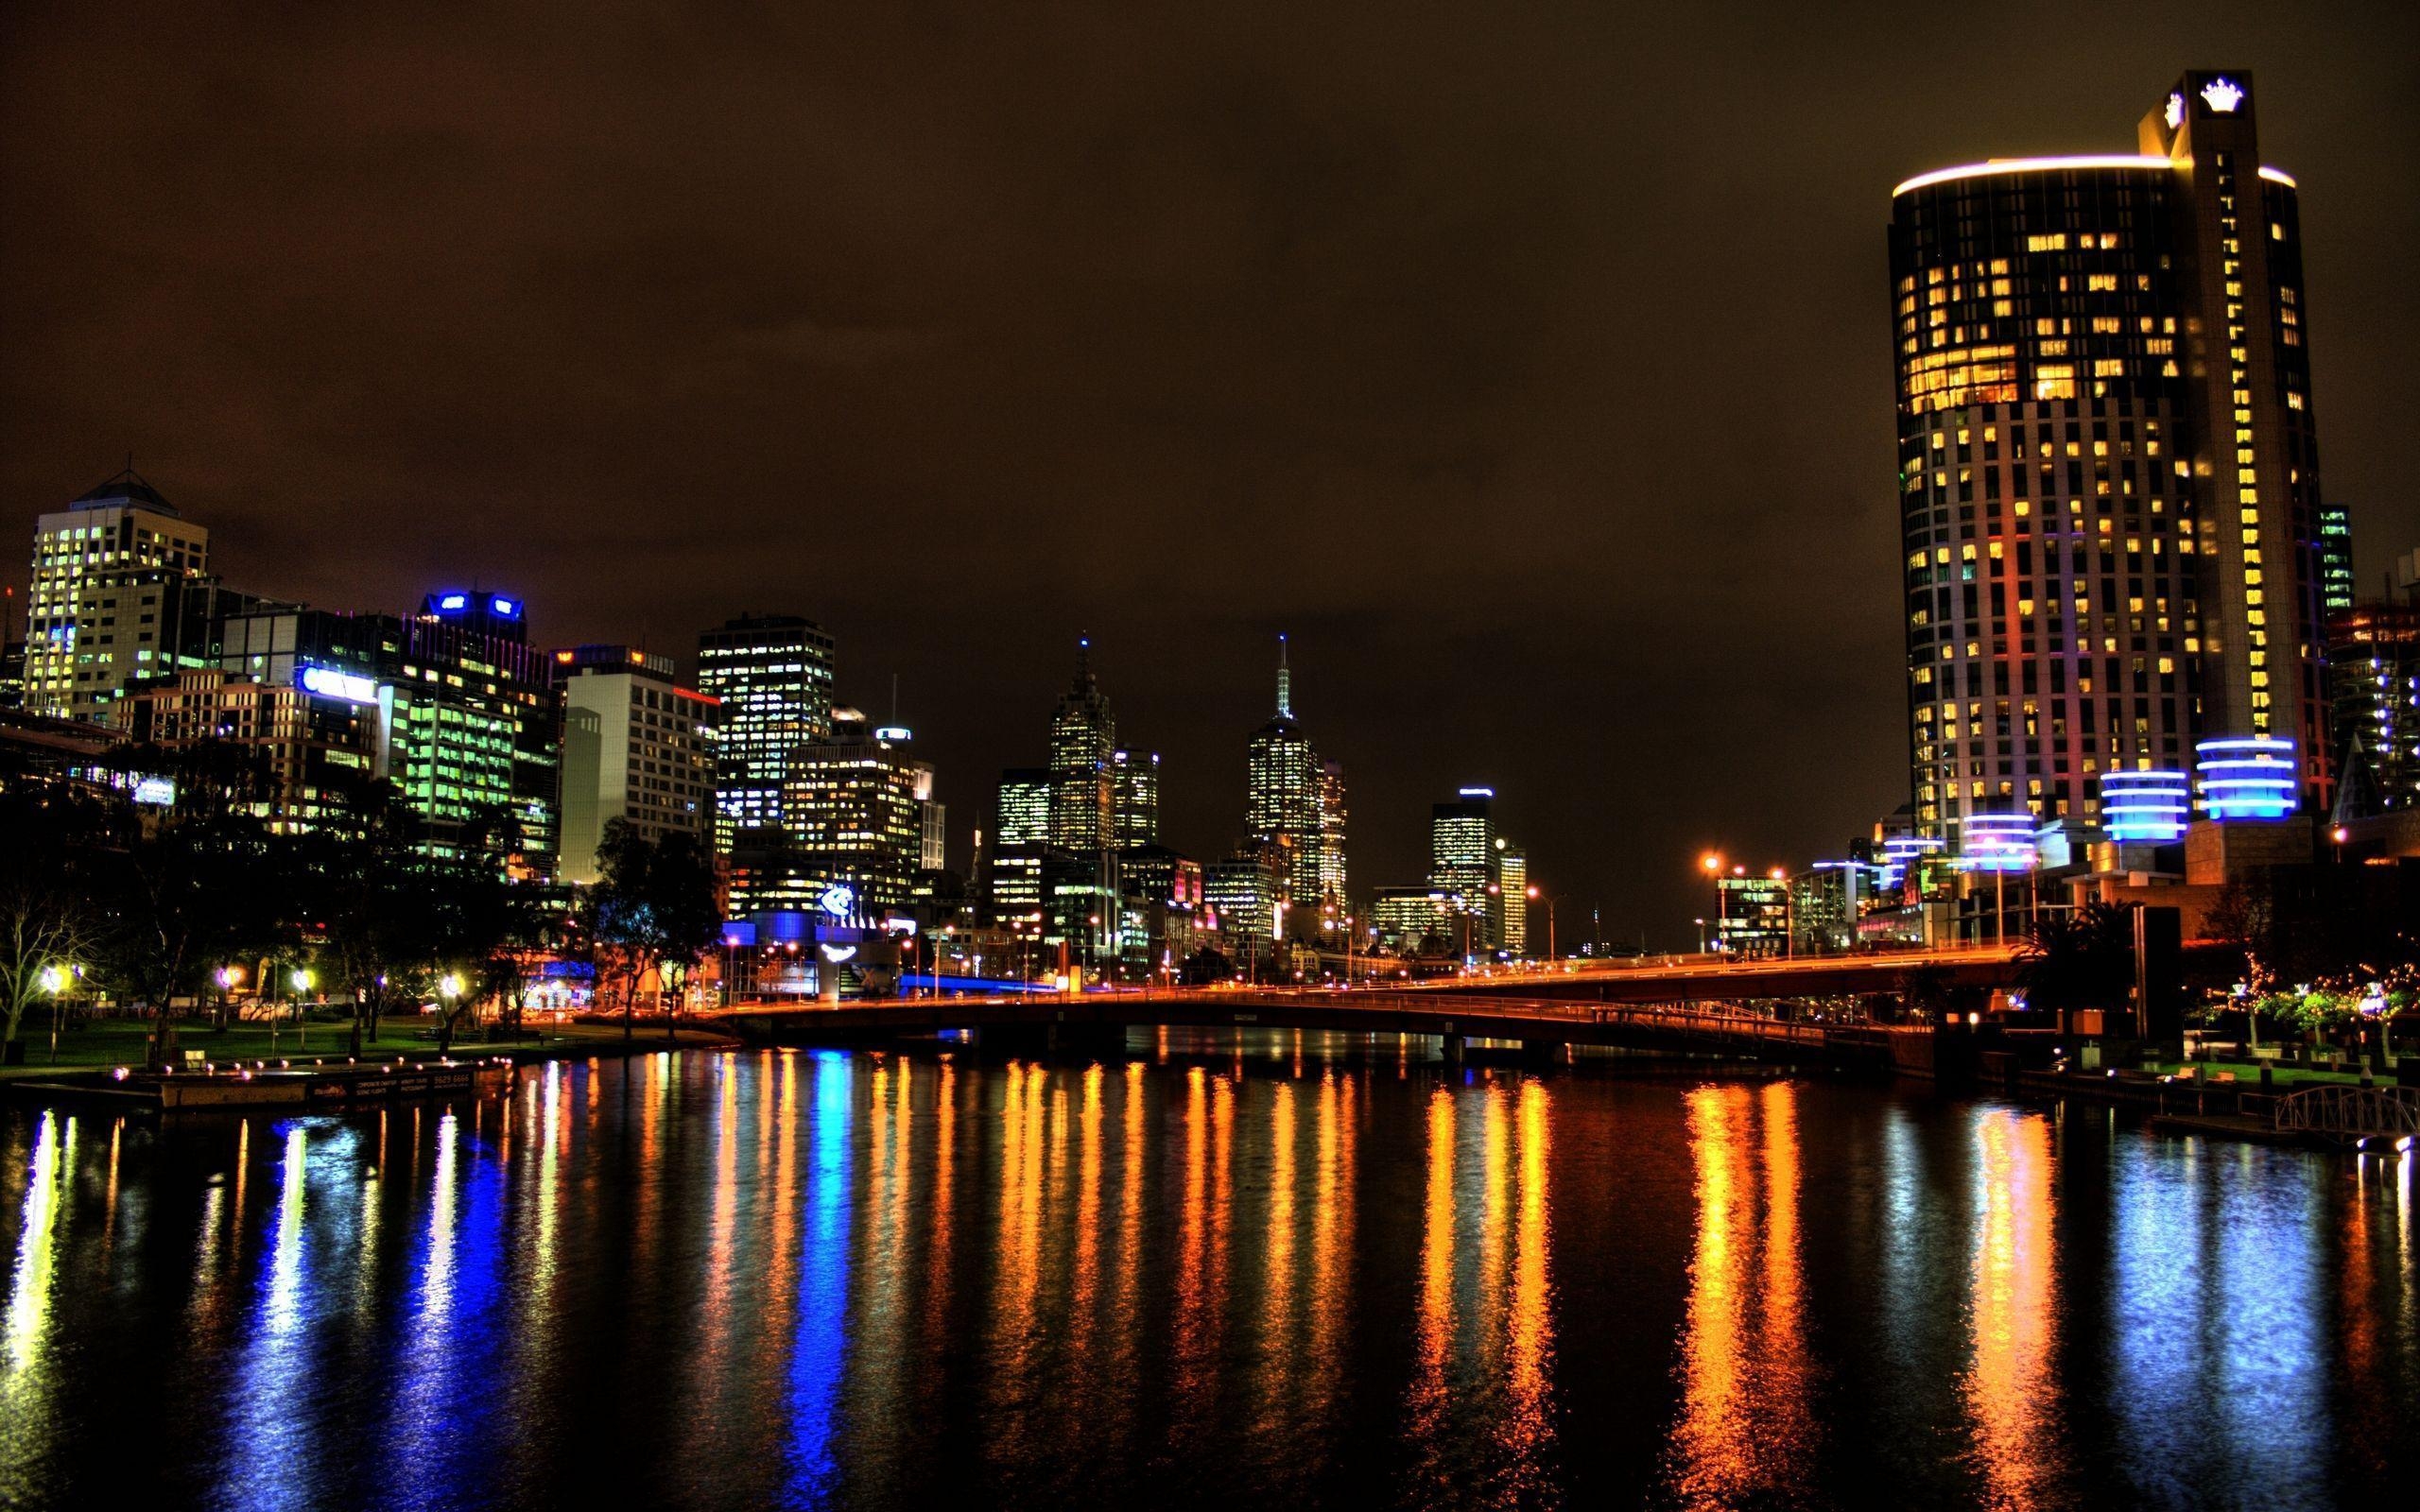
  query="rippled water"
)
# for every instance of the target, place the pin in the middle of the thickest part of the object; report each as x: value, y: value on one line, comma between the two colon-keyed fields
x: 1297, y: 1274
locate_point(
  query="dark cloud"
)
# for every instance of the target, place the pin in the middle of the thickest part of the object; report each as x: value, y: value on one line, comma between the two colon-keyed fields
x: 1530, y: 364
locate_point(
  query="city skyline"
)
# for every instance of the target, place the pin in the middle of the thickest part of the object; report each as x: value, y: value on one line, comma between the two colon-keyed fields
x: 1519, y: 653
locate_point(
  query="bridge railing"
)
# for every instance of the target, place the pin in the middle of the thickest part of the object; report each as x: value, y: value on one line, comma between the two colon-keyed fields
x: 1477, y: 1011
x: 2350, y: 1111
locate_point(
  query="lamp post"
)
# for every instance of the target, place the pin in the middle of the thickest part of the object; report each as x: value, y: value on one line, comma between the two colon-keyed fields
x: 302, y: 983
x: 1536, y: 896
x: 1711, y: 864
x: 55, y: 979
x: 227, y: 977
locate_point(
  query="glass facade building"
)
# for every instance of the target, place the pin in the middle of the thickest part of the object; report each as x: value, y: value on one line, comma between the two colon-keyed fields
x: 770, y: 676
x: 1083, y: 740
x: 2109, y: 473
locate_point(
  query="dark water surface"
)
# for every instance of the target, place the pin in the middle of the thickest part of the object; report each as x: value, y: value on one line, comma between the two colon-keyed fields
x: 1283, y: 1277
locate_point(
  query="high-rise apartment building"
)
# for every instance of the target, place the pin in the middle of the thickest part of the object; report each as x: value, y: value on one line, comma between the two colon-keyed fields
x: 105, y: 543
x: 863, y: 808
x: 2109, y: 472
x: 772, y: 678
x: 1083, y: 741
x: 1284, y: 806
x: 636, y: 746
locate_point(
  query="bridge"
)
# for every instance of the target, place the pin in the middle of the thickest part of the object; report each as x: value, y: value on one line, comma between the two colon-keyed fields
x: 1539, y: 1025
x: 1702, y: 979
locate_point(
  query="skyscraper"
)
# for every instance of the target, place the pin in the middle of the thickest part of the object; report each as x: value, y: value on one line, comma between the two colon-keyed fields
x: 771, y: 676
x: 1512, y: 897
x: 473, y: 724
x: 1083, y: 739
x: 1135, y: 798
x: 75, y: 667
x: 1462, y: 864
x: 1331, y: 820
x: 637, y: 748
x: 1282, y: 796
x: 862, y: 806
x: 2109, y: 476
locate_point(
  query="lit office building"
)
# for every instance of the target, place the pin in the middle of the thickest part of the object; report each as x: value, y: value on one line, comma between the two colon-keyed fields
x: 135, y: 624
x: 1754, y: 915
x: 2108, y: 465
x: 1283, y: 807
x: 637, y: 748
x: 770, y: 676
x: 1413, y: 920
x: 1245, y: 891
x: 2374, y: 676
x: 1083, y: 740
x: 474, y: 725
x: 1462, y: 862
x: 123, y: 524
x: 1511, y: 898
x: 313, y: 741
x: 2336, y: 592
x: 862, y: 808
x: 1013, y: 851
x: 1134, y: 798
x: 1332, y: 824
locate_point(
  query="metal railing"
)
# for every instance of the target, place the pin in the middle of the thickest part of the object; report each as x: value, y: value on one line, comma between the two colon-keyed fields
x: 2350, y: 1113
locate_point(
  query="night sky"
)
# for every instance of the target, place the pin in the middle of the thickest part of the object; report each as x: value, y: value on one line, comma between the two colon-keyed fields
x: 1528, y: 364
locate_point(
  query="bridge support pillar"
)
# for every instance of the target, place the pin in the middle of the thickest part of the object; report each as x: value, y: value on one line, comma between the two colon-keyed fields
x: 1452, y: 1046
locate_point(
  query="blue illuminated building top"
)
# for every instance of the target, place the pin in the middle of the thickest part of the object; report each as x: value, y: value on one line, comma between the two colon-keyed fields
x: 1997, y: 842
x: 2145, y: 806
x: 2250, y: 777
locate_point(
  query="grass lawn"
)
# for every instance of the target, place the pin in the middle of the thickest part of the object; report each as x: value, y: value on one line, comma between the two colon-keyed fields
x: 104, y: 1042
x: 2248, y: 1071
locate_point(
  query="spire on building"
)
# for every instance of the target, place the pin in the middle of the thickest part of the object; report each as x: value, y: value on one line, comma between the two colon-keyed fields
x: 1284, y: 682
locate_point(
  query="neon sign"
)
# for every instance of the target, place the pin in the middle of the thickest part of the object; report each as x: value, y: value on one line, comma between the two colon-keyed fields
x: 330, y: 683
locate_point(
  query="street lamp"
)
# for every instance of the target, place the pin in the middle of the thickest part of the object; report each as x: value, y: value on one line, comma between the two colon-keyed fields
x: 228, y: 977
x: 55, y: 978
x: 1711, y: 862
x: 1536, y: 896
x: 301, y: 980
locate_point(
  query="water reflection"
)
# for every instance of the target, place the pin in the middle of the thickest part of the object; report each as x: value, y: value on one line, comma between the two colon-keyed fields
x: 1296, y: 1276
x: 1745, y: 1430
x: 2008, y: 1389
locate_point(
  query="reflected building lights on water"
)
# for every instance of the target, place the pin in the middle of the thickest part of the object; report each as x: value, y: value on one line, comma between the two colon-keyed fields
x: 2009, y: 1390
x: 934, y: 1279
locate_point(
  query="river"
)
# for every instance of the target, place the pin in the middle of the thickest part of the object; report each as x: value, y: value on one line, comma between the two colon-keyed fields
x: 1288, y: 1272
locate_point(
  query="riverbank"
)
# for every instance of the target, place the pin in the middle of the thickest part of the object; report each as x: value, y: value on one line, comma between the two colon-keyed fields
x: 241, y: 1067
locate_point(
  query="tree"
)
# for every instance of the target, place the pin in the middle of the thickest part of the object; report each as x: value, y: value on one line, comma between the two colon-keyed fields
x: 654, y: 910
x: 2081, y: 959
x: 1204, y: 967
x: 372, y: 900
x: 189, y: 892
x: 48, y: 920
